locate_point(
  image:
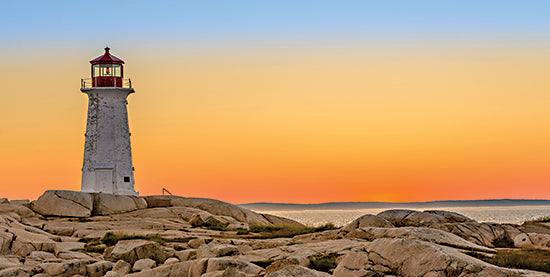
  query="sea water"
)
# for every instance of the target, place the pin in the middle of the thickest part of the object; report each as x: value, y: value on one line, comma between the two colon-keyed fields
x: 511, y: 214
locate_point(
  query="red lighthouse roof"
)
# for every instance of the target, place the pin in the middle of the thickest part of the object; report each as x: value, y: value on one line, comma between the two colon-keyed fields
x: 107, y: 58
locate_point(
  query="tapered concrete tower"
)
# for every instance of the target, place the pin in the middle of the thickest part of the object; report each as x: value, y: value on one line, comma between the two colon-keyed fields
x: 107, y: 153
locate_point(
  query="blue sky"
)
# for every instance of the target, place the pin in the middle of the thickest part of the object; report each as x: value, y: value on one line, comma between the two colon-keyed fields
x: 68, y: 21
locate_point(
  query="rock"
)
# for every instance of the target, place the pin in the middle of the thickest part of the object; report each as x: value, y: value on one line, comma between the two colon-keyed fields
x: 217, y: 207
x: 21, y: 202
x: 216, y: 250
x: 72, y: 255
x: 420, y: 219
x: 196, y: 243
x: 14, y: 272
x: 413, y: 258
x: 482, y: 233
x: 297, y: 271
x: 171, y: 261
x: 65, y: 246
x: 278, y: 220
x: 353, y: 264
x: 197, y: 220
x: 121, y: 267
x: 65, y: 268
x: 4, y: 201
x: 143, y: 264
x: 99, y: 269
x: 186, y: 255
x: 27, y: 242
x: 59, y: 230
x: 280, y: 264
x: 41, y: 255
x: 63, y: 203
x: 367, y: 221
x: 395, y: 216
x: 450, y: 217
x: 133, y: 250
x: 418, y: 233
x: 8, y: 262
x: 158, y: 201
x: 301, y: 252
x: 523, y: 241
x: 107, y: 204
x: 6, y: 239
x: 217, y: 264
x: 172, y: 270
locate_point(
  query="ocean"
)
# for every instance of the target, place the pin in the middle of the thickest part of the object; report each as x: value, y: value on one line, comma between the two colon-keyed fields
x: 508, y: 214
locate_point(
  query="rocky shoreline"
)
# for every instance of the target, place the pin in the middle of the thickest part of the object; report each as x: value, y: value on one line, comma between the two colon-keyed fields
x: 67, y: 233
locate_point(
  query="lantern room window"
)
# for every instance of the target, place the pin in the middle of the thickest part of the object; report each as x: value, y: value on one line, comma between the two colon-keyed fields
x: 107, y: 70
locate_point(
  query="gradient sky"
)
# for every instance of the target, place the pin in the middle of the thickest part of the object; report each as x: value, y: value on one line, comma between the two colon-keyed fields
x: 287, y: 101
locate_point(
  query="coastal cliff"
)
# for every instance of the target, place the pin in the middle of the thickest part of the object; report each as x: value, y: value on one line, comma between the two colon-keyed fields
x: 67, y: 233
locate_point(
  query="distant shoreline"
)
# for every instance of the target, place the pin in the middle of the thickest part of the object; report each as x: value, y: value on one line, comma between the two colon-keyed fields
x: 382, y: 205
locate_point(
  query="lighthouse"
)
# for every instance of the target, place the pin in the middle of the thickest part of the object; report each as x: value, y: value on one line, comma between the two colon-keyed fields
x: 107, y: 163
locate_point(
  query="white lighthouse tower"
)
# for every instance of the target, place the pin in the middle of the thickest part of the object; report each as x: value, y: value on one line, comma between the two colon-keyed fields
x: 107, y: 153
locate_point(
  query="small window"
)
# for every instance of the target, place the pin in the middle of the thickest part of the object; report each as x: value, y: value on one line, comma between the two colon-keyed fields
x: 106, y: 70
x: 96, y: 70
x: 116, y: 70
x: 126, y: 179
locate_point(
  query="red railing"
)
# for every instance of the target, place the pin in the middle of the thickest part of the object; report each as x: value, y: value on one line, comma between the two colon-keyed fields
x: 87, y: 83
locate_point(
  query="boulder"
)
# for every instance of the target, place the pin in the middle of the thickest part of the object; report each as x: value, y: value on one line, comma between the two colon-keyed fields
x: 69, y: 255
x: 133, y: 250
x: 63, y: 203
x: 417, y: 233
x: 395, y: 216
x: 65, y: 268
x: 450, y: 217
x: 216, y: 250
x: 120, y: 268
x: 355, y: 264
x: 15, y: 272
x: 143, y: 264
x: 278, y: 220
x: 8, y: 262
x: 483, y: 233
x: 26, y: 242
x: 220, y: 208
x: 171, y: 261
x: 6, y: 239
x: 297, y: 271
x: 367, y: 221
x: 41, y: 255
x: 280, y: 264
x: 4, y: 201
x: 217, y: 264
x: 186, y: 255
x: 420, y: 219
x: 196, y: 243
x: 412, y: 258
x: 197, y: 220
x: 532, y: 240
x: 99, y: 269
x: 158, y: 201
x: 21, y: 202
x: 107, y: 204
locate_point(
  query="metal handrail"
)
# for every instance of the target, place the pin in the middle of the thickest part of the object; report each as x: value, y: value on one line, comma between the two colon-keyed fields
x: 87, y: 83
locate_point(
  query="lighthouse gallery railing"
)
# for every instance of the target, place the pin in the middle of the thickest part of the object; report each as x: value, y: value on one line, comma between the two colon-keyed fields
x: 87, y: 83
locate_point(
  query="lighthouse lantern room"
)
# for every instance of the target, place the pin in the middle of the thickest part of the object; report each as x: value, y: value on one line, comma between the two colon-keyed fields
x: 107, y: 166
x: 107, y: 70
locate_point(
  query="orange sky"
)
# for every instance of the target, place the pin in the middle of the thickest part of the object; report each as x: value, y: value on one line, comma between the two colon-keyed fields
x: 347, y: 123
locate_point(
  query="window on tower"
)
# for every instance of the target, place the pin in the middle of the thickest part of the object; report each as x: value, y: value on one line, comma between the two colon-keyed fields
x: 117, y: 70
x: 96, y: 71
x: 106, y: 70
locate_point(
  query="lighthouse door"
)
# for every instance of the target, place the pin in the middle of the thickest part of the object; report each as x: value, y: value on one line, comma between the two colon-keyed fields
x: 104, y: 178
